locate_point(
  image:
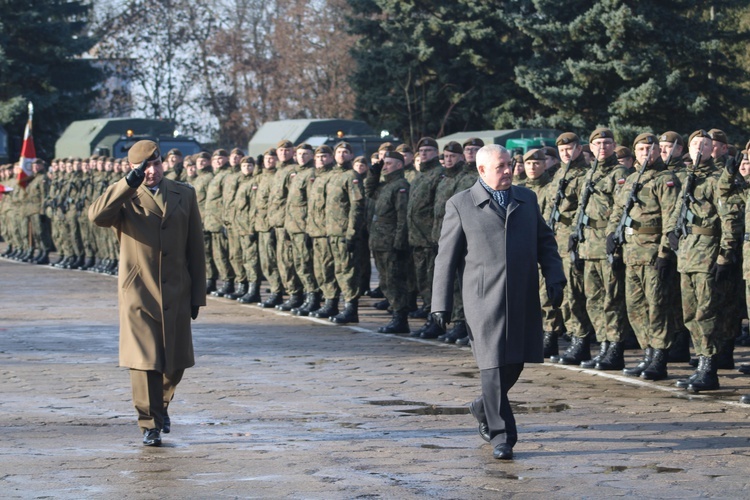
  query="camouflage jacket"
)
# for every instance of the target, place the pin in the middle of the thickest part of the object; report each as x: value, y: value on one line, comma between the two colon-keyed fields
x: 345, y: 203
x: 279, y: 193
x: 295, y: 221
x: 471, y: 174
x: 735, y: 190
x: 388, y: 231
x: 242, y: 210
x: 213, y: 214
x: 540, y: 186
x: 316, y: 201
x: 576, y: 175
x: 263, y: 199
x: 646, y: 235
x: 450, y: 179
x: 410, y: 173
x: 421, y: 211
x: 201, y: 182
x: 36, y: 194
x: 230, y: 184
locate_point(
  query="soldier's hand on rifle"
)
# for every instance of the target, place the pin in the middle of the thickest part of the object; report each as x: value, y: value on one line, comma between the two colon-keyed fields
x: 555, y: 294
x: 135, y: 177
x: 674, y: 241
x: 663, y: 267
x: 572, y: 242
x: 611, y: 244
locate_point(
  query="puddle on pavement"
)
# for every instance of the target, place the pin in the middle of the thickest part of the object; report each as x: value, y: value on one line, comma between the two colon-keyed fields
x: 543, y: 407
x: 467, y: 374
x: 428, y: 409
x: 658, y: 469
x: 500, y: 474
x: 396, y: 402
x: 437, y: 410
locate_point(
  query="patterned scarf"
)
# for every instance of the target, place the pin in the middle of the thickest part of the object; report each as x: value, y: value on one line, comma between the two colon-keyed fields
x: 501, y: 197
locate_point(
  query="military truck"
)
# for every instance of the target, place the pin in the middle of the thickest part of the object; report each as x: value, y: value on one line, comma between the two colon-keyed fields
x: 329, y: 131
x: 115, y: 136
x: 515, y: 140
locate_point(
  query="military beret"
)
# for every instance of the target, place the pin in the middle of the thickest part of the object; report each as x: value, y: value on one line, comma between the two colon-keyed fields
x: 698, y: 133
x: 672, y: 137
x: 345, y: 145
x: 427, y: 142
x: 386, y: 146
x: 601, y: 133
x: 687, y: 159
x: 567, y: 138
x: 237, y: 151
x: 270, y: 152
x: 190, y: 160
x: 474, y: 141
x: 110, y: 159
x: 142, y: 151
x: 284, y: 143
x: 247, y: 159
x: 646, y: 138
x: 174, y: 152
x: 623, y: 152
x: 718, y: 135
x: 360, y: 159
x: 745, y: 155
x: 454, y: 147
x: 395, y: 155
x: 93, y: 158
x: 535, y: 155
x: 203, y: 154
x: 220, y: 152
x: 404, y: 148
x: 375, y: 156
x: 78, y: 159
x: 306, y: 146
x: 732, y: 150
x: 586, y: 148
x: 324, y: 150
x: 550, y: 151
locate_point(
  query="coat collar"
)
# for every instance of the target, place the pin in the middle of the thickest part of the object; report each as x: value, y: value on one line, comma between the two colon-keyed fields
x: 484, y: 200
x: 144, y: 199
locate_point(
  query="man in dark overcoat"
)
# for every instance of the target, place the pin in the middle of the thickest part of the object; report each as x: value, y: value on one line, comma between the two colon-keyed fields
x: 495, y: 237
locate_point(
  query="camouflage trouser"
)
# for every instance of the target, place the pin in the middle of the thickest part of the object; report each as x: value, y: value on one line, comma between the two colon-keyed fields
x: 73, y: 230
x: 424, y: 269
x: 577, y: 322
x: 552, y: 319
x: 411, y: 277
x: 345, y: 267
x: 391, y: 267
x: 285, y: 262
x: 87, y: 234
x: 220, y: 249
x: 250, y: 258
x: 675, y: 321
x: 60, y: 234
x: 731, y: 302
x: 323, y: 265
x: 458, y: 302
x: 699, y: 301
x: 235, y: 255
x: 605, y: 299
x: 302, y: 253
x: 268, y: 264
x: 363, y: 264
x: 42, y: 232
x: 211, y: 272
x: 647, y: 302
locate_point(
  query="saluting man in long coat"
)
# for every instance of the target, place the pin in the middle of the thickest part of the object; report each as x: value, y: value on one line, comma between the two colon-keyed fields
x: 495, y: 237
x: 161, y: 280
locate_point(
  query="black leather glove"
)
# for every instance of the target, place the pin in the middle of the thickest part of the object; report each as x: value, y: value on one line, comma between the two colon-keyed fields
x: 572, y: 242
x: 308, y: 242
x: 135, y: 177
x: 272, y: 237
x: 351, y: 245
x: 720, y: 271
x: 555, y: 294
x: 617, y: 263
x: 377, y: 167
x: 611, y: 245
x: 664, y: 268
x: 579, y: 264
x: 674, y: 241
x: 731, y: 166
x: 440, y: 318
x: 252, y: 237
x: 194, y: 311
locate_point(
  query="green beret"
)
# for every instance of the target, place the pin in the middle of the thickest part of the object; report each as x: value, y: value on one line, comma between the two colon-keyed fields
x: 324, y: 150
x: 345, y: 145
x: 220, y: 152
x: 474, y: 141
x: 586, y: 148
x: 142, y: 151
x: 190, y: 160
x: 718, y: 135
x: 551, y: 151
x: 93, y: 158
x: 285, y: 143
x: 306, y: 146
x: 404, y: 148
x: 672, y: 137
x: 386, y: 146
x: 698, y: 133
x: 601, y: 133
x: 623, y: 152
x: 395, y: 155
x: 360, y: 159
x: 744, y: 155
x: 204, y: 155
x: 567, y: 138
x: 174, y: 152
x: 427, y: 142
x: 535, y: 155
x: 454, y: 147
x: 645, y: 138
x: 270, y: 152
x: 237, y: 151
x: 247, y: 159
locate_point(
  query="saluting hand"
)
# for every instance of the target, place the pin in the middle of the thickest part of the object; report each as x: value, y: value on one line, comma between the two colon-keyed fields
x: 135, y: 177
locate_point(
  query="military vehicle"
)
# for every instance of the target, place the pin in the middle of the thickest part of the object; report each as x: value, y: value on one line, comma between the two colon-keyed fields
x: 115, y: 136
x: 329, y: 131
x: 515, y: 140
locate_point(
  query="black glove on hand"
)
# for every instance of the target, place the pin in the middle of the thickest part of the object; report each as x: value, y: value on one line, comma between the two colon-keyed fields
x: 252, y: 237
x: 377, y: 167
x: 351, y: 245
x: 731, y: 166
x: 720, y: 271
x: 194, y: 311
x: 618, y: 264
x: 572, y: 242
x: 674, y: 241
x: 555, y: 294
x: 308, y: 242
x: 664, y: 268
x: 611, y: 245
x: 579, y: 264
x: 440, y: 318
x: 135, y: 177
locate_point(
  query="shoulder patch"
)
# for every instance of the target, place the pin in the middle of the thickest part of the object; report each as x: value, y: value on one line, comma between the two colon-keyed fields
x: 670, y: 183
x: 355, y: 181
x: 255, y: 187
x: 621, y: 181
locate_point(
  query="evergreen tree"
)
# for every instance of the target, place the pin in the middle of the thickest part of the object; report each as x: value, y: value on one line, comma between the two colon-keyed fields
x: 41, y: 44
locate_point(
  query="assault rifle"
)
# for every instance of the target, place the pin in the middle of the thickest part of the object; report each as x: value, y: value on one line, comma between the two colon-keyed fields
x: 582, y: 219
x: 686, y: 215
x: 625, y: 219
x: 555, y: 215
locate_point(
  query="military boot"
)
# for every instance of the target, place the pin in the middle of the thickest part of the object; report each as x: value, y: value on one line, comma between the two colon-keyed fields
x: 684, y: 383
x: 60, y: 258
x: 745, y: 399
x: 312, y: 303
x: 330, y: 308
x: 8, y: 251
x: 252, y: 295
x: 240, y: 291
x: 398, y: 324
x: 383, y: 305
x: 349, y: 314
x: 680, y: 350
x: 412, y: 302
x: 418, y: 332
x: 294, y: 301
x: 376, y: 293
x: 78, y: 264
x: 420, y: 312
x: 113, y: 267
x: 613, y: 359
x: 456, y: 333
x: 707, y: 379
x: 636, y: 371
x: 210, y: 285
x: 591, y: 363
x: 657, y: 370
x: 578, y: 351
x: 432, y: 332
x: 550, y: 344
x: 43, y: 258
x: 272, y: 301
x: 226, y: 289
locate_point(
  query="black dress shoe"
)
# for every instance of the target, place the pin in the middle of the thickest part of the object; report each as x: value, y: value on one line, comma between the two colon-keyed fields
x: 484, y: 430
x: 503, y: 451
x: 166, y: 424
x: 152, y: 437
x: 745, y: 399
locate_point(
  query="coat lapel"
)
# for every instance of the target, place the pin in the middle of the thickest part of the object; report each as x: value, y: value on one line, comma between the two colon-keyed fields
x: 144, y: 199
x: 484, y: 200
x: 172, y: 198
x: 513, y: 203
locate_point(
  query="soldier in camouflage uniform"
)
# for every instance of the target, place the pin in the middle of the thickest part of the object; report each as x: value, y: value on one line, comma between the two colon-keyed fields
x: 361, y: 168
x: 604, y: 284
x: 242, y: 215
x: 571, y: 175
x: 389, y: 239
x: 203, y: 179
x: 73, y: 216
x: 213, y: 222
x: 705, y: 255
x: 229, y: 190
x: 38, y: 191
x: 646, y: 254
x: 265, y: 230
x: 173, y: 166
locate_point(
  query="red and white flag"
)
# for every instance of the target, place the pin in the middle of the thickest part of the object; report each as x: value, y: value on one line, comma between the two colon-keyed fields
x: 28, y: 152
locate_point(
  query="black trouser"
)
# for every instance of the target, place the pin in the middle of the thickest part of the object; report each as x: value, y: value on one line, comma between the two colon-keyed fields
x: 493, y: 405
x: 152, y: 392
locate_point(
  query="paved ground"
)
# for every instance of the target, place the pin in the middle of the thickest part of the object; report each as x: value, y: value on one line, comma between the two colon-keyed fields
x: 284, y: 407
